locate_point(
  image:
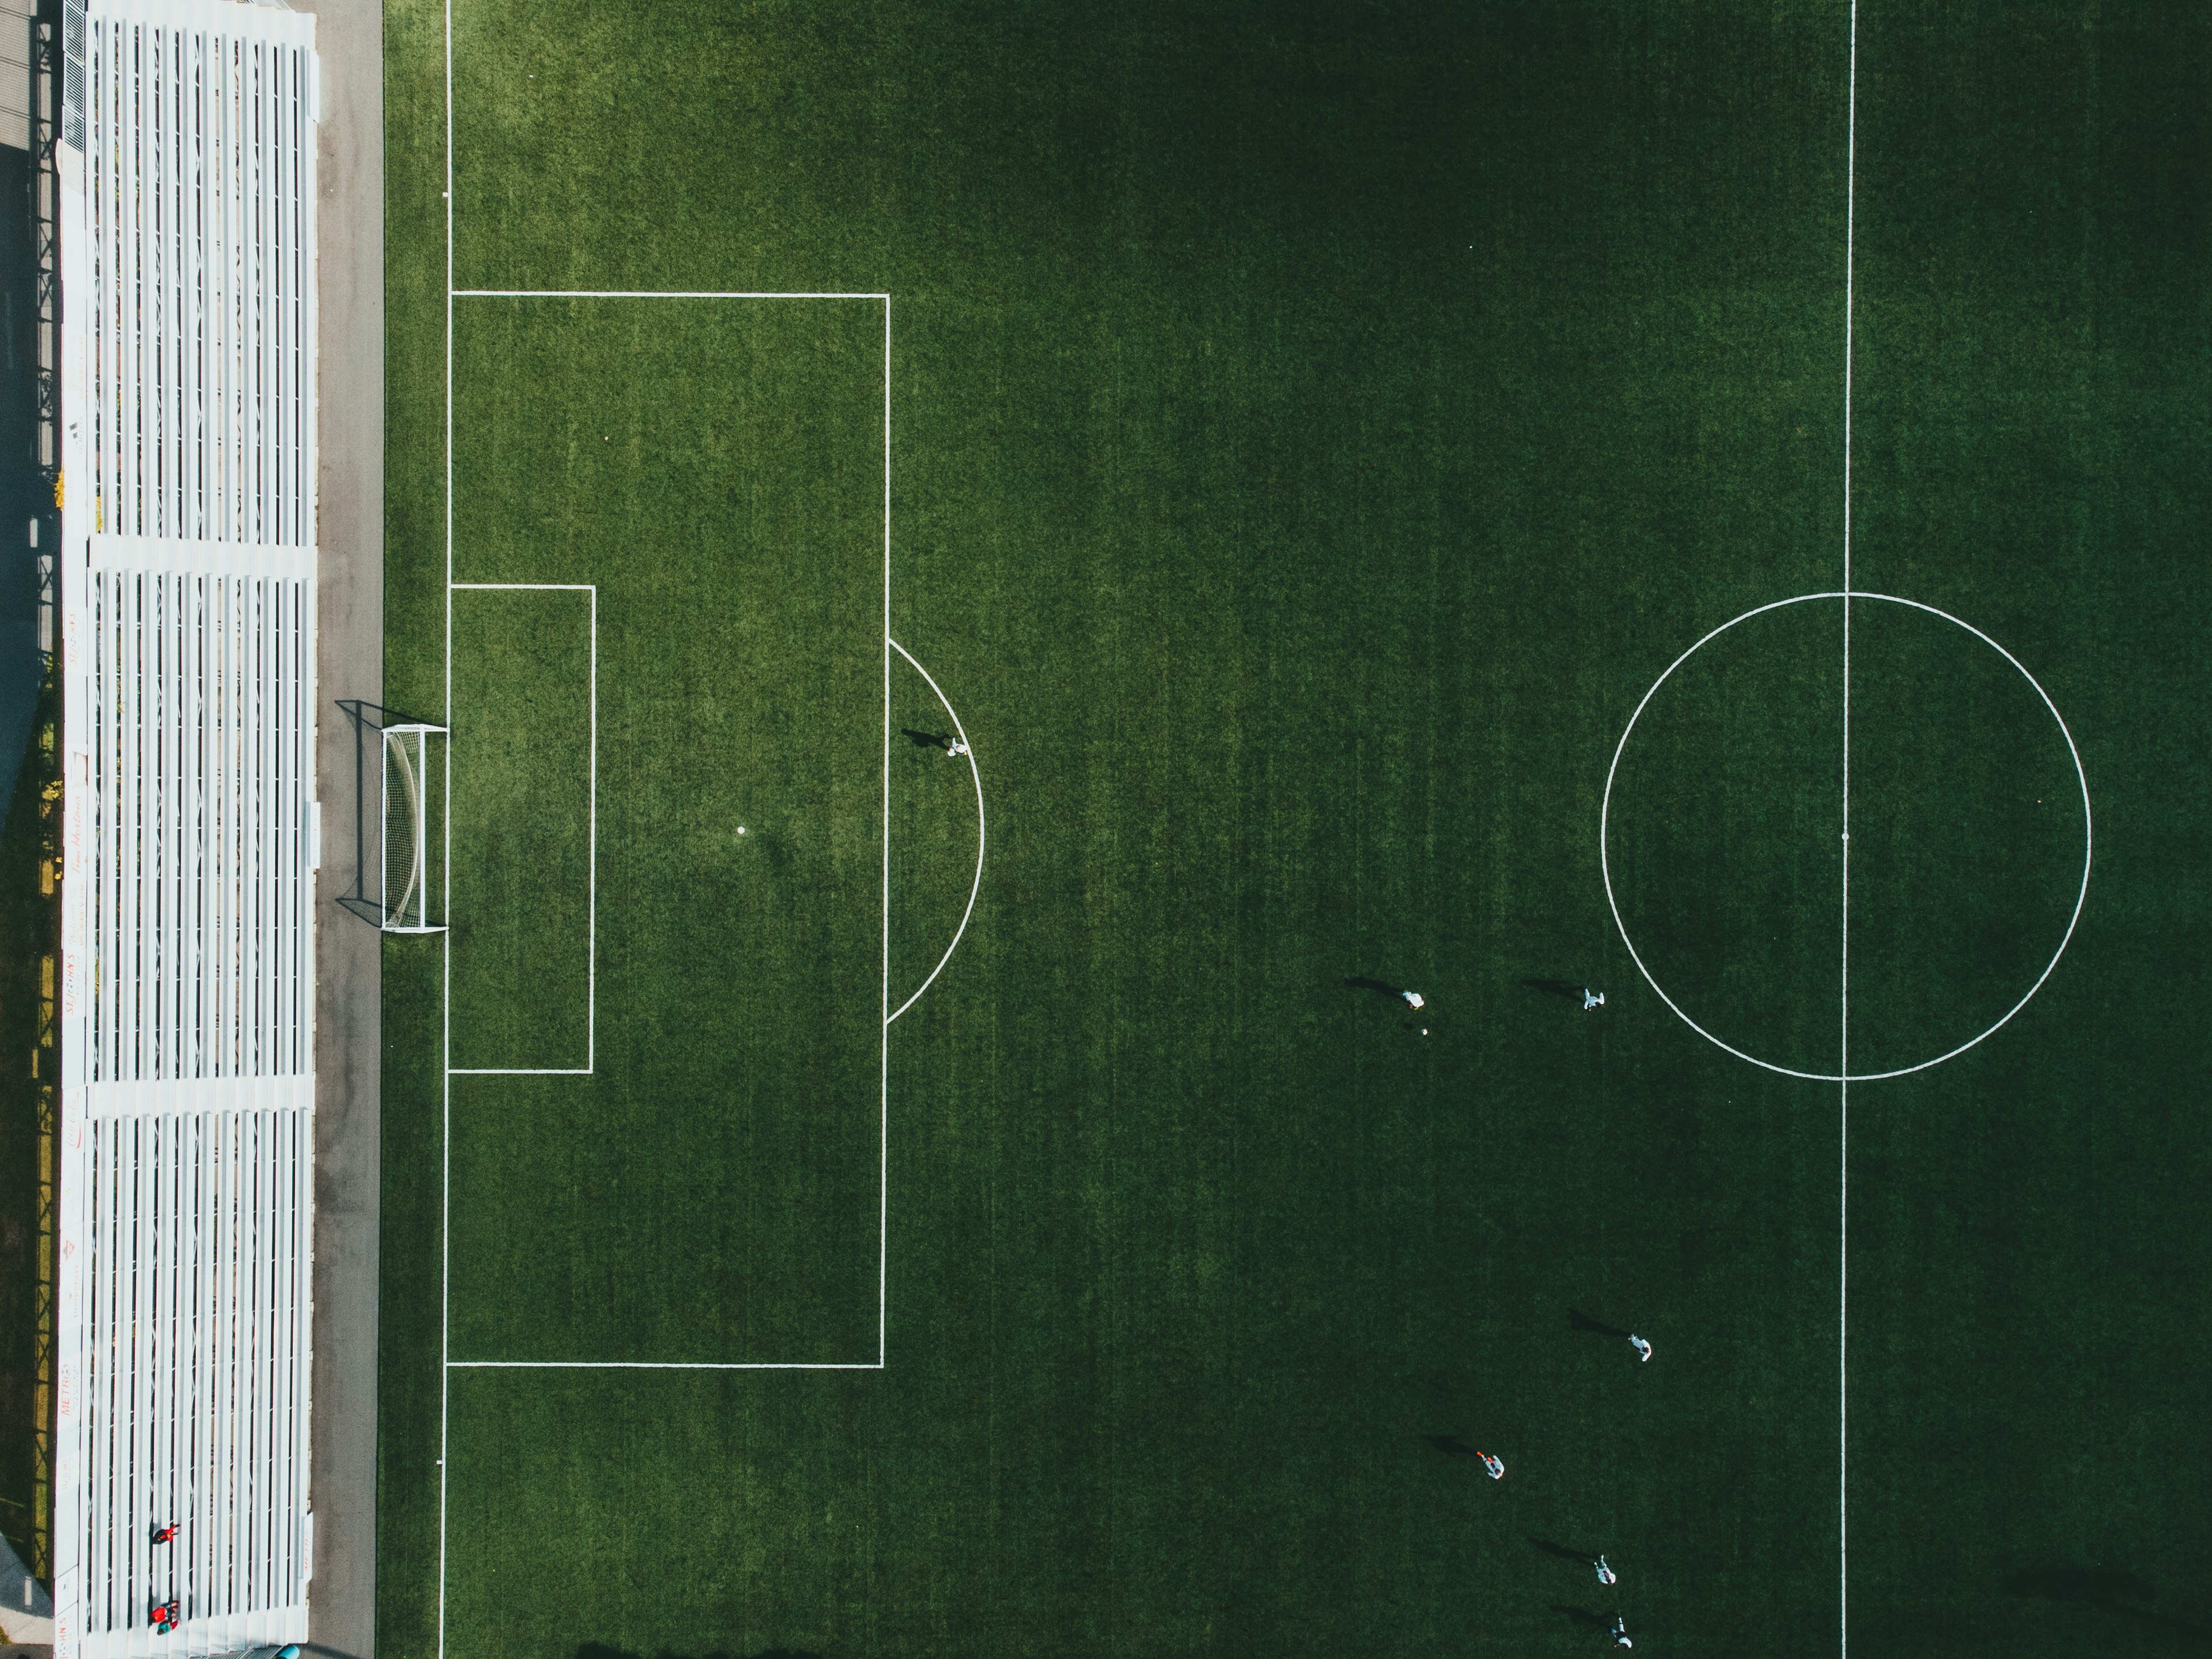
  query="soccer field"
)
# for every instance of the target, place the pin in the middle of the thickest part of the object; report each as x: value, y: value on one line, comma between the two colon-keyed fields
x: 1696, y: 503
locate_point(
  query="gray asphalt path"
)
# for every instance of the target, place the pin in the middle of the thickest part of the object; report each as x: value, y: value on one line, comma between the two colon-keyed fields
x: 350, y: 249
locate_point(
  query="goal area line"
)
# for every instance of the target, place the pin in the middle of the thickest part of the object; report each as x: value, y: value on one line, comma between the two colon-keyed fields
x: 592, y: 838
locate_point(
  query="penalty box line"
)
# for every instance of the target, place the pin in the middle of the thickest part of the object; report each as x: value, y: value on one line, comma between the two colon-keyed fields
x: 592, y: 902
x: 446, y: 1009
x: 664, y: 1365
x: 883, y: 1264
x: 649, y: 294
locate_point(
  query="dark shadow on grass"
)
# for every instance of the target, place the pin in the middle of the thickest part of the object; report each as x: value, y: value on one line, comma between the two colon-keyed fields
x: 927, y: 740
x: 30, y: 936
x: 1581, y: 1616
x: 2102, y: 1585
x: 1452, y: 1444
x: 1585, y: 1556
x: 1553, y: 988
x: 2113, y: 1590
x: 1362, y: 982
x: 1582, y: 1322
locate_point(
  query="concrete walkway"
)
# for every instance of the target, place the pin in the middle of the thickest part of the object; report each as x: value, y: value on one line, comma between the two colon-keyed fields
x: 26, y: 1612
x: 342, y: 1599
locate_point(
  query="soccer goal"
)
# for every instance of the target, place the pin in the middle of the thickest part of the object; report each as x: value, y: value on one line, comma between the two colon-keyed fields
x: 400, y: 771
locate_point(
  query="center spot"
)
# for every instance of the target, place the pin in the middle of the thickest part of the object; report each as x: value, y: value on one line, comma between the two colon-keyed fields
x: 1726, y: 843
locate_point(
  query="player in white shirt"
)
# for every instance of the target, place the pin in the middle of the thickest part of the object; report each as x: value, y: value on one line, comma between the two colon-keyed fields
x: 1643, y: 1348
x: 1605, y: 1575
x: 1592, y: 998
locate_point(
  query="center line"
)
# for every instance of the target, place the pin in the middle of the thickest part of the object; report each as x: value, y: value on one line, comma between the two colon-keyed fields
x: 1844, y: 1017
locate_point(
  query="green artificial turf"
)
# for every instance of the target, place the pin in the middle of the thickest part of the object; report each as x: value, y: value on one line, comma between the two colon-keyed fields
x: 524, y: 828
x: 712, y: 1190
x: 1314, y: 429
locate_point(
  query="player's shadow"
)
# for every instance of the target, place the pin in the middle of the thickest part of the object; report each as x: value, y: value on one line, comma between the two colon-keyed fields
x: 1553, y: 988
x: 1581, y: 1616
x: 604, y: 1650
x: 1582, y: 1322
x: 1363, y: 982
x: 1584, y: 1558
x: 927, y: 740
x: 1451, y: 1444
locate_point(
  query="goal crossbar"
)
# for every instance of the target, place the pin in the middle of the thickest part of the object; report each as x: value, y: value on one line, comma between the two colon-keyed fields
x: 410, y: 911
x: 398, y: 820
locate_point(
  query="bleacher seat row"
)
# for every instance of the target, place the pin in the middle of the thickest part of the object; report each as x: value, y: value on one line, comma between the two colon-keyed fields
x: 182, y: 1519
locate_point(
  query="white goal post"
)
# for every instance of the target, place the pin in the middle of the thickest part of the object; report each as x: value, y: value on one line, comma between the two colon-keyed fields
x: 398, y: 884
x: 403, y: 886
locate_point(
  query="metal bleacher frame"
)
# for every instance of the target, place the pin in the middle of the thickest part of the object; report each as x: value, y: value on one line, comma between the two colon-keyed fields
x: 187, y: 570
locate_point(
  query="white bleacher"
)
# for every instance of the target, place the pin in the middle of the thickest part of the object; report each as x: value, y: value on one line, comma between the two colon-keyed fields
x: 187, y: 585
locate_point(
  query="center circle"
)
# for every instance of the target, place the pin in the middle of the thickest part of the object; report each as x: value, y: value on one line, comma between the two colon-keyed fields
x: 1723, y: 837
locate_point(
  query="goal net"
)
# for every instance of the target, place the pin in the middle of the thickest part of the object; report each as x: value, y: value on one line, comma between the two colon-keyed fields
x: 405, y: 894
x: 399, y: 822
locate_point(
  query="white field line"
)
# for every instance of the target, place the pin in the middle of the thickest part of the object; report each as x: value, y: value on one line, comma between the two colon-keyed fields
x: 652, y: 294
x: 883, y: 1033
x: 446, y: 995
x: 1605, y: 863
x: 661, y: 1366
x: 1843, y: 1011
x: 884, y: 1061
x: 976, y: 885
x: 591, y: 895
x: 448, y: 1363
x: 591, y: 854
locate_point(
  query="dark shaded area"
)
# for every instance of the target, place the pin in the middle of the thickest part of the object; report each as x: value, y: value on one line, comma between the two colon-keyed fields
x: 1555, y: 988
x: 2112, y: 1588
x: 927, y: 740
x: 23, y: 492
x: 1582, y: 1322
x: 1362, y: 982
x: 1451, y: 1443
x: 1582, y: 1616
x: 2105, y: 1586
x: 30, y: 929
x: 1585, y: 1558
x: 2022, y: 155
